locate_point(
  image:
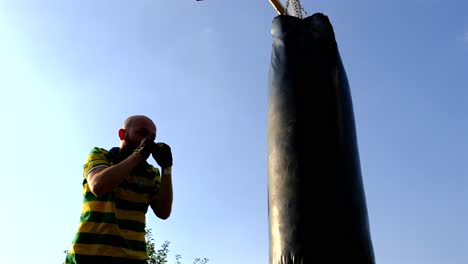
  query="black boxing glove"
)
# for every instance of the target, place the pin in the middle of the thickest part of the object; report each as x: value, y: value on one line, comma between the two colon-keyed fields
x: 145, y: 148
x: 162, y: 154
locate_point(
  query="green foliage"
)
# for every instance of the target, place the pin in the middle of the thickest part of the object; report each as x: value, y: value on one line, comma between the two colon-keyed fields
x: 177, y: 258
x: 160, y: 256
x: 156, y: 256
x: 200, y: 261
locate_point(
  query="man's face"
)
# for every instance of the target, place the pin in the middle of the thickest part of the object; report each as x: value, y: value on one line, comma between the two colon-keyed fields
x: 139, y: 130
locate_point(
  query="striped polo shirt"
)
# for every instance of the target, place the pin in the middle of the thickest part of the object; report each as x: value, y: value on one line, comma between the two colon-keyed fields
x: 112, y: 227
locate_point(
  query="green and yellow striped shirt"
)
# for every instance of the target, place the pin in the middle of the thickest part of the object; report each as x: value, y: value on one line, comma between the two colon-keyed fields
x: 112, y: 227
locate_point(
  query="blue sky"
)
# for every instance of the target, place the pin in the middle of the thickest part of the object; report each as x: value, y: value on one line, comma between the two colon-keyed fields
x: 71, y: 71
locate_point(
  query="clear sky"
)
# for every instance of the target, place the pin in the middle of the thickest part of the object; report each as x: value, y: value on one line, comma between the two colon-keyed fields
x: 72, y: 71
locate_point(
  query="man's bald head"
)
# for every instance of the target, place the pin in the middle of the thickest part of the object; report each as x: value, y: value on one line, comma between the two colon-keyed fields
x: 135, y: 129
x: 132, y: 119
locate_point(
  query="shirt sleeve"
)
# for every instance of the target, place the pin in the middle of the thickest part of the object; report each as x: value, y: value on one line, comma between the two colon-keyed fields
x: 97, y: 158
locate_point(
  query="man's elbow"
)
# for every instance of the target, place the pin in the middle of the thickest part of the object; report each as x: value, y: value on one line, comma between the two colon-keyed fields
x: 96, y: 184
x: 164, y: 217
x: 97, y: 189
x: 162, y: 213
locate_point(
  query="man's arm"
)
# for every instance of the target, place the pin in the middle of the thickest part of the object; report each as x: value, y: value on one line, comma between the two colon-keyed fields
x: 104, y: 180
x: 162, y: 205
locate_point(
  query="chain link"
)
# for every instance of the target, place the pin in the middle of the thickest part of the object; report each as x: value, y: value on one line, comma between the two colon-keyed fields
x: 297, y: 7
x: 305, y: 12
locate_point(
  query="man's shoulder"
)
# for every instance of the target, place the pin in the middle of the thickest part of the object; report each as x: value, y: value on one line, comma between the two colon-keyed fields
x: 98, y: 150
x: 98, y: 153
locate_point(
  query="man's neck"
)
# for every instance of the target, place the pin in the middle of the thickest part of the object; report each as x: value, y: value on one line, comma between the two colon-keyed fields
x: 124, y: 152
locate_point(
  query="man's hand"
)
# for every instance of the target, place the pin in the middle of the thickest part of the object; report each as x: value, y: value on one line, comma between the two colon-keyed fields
x: 146, y: 147
x: 162, y: 154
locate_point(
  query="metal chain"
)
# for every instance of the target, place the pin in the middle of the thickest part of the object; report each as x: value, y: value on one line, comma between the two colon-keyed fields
x: 305, y: 12
x: 297, y: 7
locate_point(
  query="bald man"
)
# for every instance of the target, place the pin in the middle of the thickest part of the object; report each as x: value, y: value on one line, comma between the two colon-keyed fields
x: 119, y: 185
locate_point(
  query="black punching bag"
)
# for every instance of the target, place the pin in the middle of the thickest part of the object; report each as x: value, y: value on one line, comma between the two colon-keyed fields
x: 316, y: 201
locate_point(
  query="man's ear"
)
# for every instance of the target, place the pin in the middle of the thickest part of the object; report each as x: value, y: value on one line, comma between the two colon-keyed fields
x: 122, y: 134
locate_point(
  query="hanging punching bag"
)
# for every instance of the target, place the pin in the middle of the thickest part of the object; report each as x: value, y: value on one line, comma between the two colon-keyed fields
x: 316, y: 201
